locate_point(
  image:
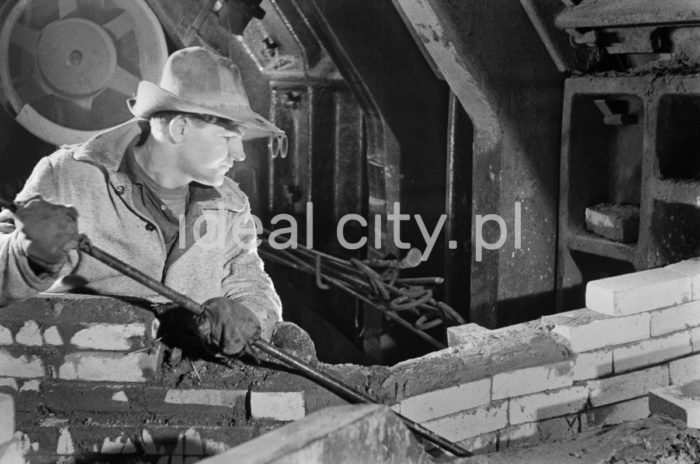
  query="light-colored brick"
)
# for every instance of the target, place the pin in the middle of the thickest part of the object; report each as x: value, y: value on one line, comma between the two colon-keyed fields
x: 587, y: 330
x: 5, y: 336
x: 52, y: 336
x: 21, y: 367
x: 689, y: 268
x: 685, y: 370
x: 637, y: 292
x: 29, y: 334
x: 65, y: 443
x: 108, y: 367
x: 466, y: 424
x: 617, y: 413
x: 227, y: 398
x: 108, y: 336
x: 120, y: 397
x: 532, y: 380
x: 440, y: 403
x: 593, y: 364
x: 283, y: 406
x: 681, y: 402
x: 674, y: 319
x: 7, y: 417
x: 626, y: 386
x: 120, y: 445
x: 532, y: 408
x: 466, y: 334
x: 650, y: 352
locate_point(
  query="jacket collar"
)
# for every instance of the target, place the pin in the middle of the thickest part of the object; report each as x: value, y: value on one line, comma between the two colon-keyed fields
x: 106, y: 151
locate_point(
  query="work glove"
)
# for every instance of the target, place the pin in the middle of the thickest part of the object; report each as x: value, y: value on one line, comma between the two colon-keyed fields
x: 227, y: 327
x: 47, y: 232
x: 294, y: 340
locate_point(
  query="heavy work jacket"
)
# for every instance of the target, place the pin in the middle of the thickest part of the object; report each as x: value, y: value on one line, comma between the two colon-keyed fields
x: 224, y: 262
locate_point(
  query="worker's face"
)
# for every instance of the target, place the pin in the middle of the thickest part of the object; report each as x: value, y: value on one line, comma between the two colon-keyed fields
x: 207, y: 151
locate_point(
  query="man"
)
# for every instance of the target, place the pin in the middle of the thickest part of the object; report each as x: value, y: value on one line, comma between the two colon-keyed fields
x: 154, y: 194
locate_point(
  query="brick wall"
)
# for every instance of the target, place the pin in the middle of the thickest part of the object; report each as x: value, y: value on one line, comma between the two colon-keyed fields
x: 566, y: 373
x: 88, y: 376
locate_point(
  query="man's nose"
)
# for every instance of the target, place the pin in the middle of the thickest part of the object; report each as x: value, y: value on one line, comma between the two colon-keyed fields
x: 235, y: 150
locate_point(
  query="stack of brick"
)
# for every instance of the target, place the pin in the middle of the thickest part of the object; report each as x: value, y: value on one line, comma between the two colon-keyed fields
x: 569, y: 372
x: 87, y: 377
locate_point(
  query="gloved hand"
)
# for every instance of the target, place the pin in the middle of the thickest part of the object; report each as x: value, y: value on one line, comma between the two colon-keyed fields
x: 47, y: 231
x: 226, y: 326
x: 293, y: 339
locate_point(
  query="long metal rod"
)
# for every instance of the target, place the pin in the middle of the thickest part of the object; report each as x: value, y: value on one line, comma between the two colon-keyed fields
x: 314, y: 374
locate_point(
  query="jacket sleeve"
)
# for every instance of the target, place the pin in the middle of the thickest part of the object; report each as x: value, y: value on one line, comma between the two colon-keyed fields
x: 17, y: 280
x: 245, y: 279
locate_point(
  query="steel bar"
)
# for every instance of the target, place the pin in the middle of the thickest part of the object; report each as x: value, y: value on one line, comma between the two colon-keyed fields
x: 299, y: 263
x: 322, y: 378
x: 144, y: 279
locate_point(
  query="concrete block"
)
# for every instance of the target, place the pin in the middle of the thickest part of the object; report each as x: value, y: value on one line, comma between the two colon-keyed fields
x: 20, y: 367
x: 447, y: 401
x: 339, y: 435
x: 627, y: 386
x: 638, y: 292
x: 689, y: 268
x: 282, y: 406
x: 593, y: 364
x: 466, y: 334
x: 532, y: 380
x: 226, y: 398
x: 112, y: 337
x: 681, y: 317
x: 588, y: 330
x: 6, y: 336
x: 618, y: 413
x: 559, y: 428
x: 108, y: 367
x: 616, y: 222
x: 52, y: 336
x: 650, y: 352
x: 532, y: 408
x: 685, y: 370
x: 681, y: 402
x: 29, y: 334
x: 7, y: 417
x: 466, y: 424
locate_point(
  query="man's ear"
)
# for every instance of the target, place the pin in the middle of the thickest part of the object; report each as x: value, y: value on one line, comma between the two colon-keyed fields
x: 177, y: 128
